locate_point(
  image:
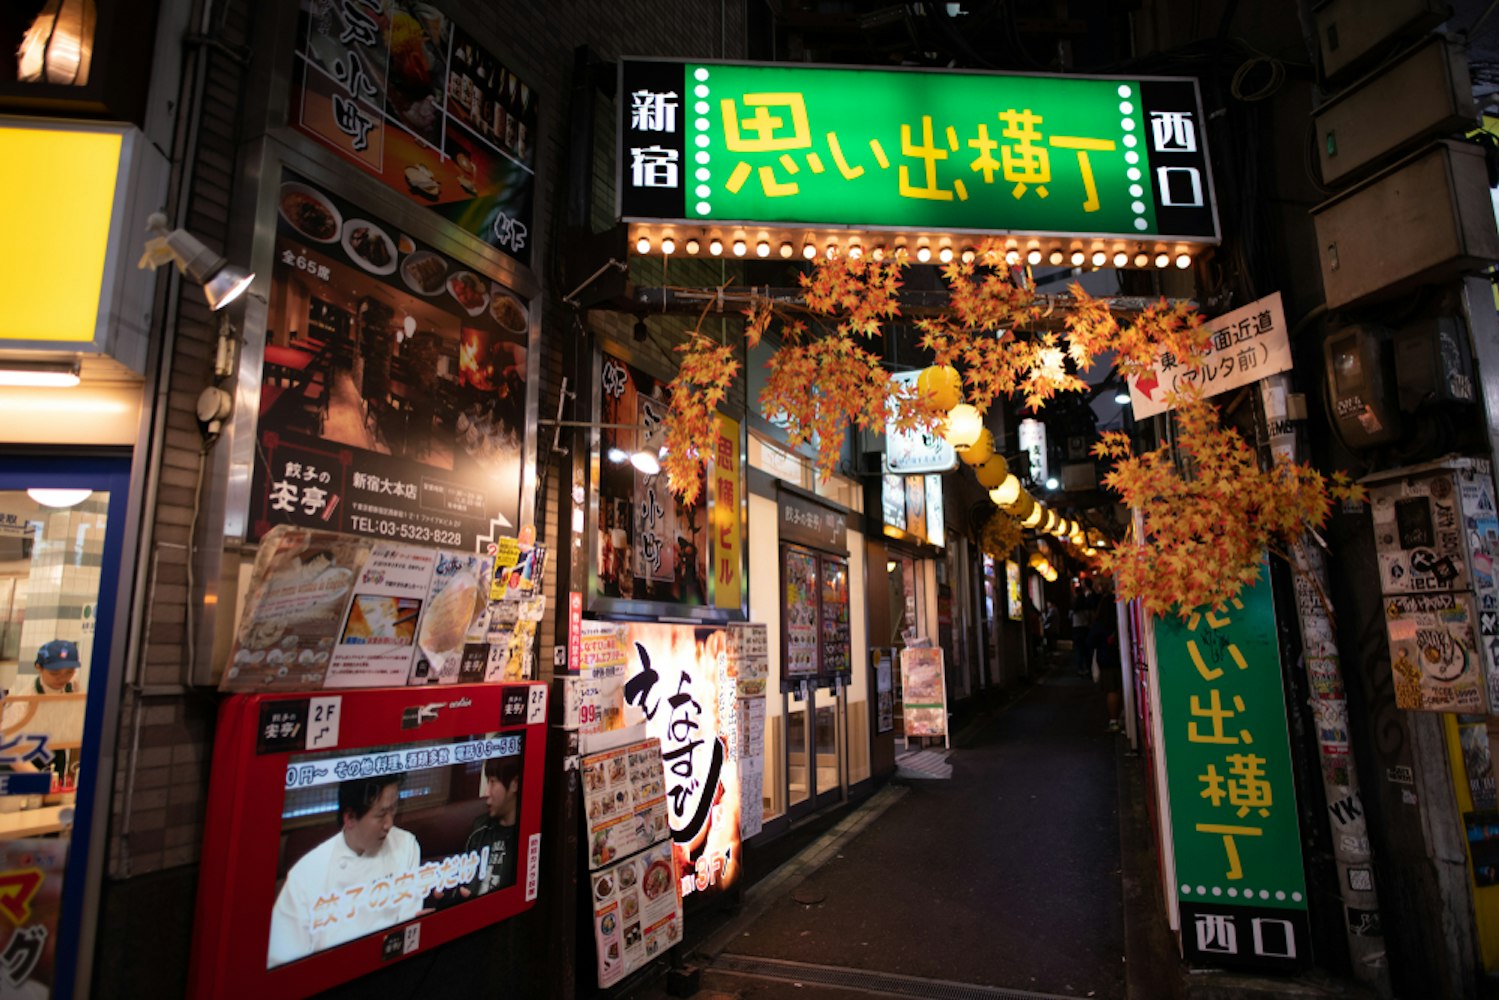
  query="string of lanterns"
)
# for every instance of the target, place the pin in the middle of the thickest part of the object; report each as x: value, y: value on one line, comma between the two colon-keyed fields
x: 964, y: 429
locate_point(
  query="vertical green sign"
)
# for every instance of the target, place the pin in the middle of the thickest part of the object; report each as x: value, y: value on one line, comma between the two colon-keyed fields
x: 1239, y: 875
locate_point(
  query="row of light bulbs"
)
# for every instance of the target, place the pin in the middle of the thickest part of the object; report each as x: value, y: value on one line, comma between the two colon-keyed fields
x: 923, y: 253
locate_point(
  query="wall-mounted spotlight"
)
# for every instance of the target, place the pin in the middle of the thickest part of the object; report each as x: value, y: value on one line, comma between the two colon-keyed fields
x: 222, y: 282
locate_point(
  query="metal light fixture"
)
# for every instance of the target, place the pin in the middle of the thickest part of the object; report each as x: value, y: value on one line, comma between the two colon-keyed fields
x: 222, y: 282
x: 646, y: 462
x: 1122, y: 397
x: 39, y: 374
x: 1051, y: 482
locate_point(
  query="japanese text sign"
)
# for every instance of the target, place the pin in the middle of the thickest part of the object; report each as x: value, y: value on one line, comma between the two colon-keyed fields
x: 1233, y: 805
x: 1247, y: 345
x: 970, y: 152
x: 915, y: 451
x: 396, y: 88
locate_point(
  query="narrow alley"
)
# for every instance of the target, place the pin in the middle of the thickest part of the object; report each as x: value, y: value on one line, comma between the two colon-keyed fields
x: 1002, y: 881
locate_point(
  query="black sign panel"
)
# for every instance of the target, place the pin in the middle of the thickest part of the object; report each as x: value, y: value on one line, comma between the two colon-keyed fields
x: 283, y: 726
x: 1176, y: 152
x: 513, y: 708
x: 810, y: 523
x: 654, y: 166
x: 1262, y: 938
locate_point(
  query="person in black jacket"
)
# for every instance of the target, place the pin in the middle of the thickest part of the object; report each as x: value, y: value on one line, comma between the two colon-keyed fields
x: 1103, y: 640
x: 498, y: 829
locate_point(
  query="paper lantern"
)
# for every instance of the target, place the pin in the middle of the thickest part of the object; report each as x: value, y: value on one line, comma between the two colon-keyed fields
x: 964, y: 425
x: 1007, y: 492
x: 942, y: 385
x: 992, y: 472
x: 1037, y: 560
x: 980, y: 451
x: 1049, y: 523
x: 1037, y: 514
x: 1020, y: 508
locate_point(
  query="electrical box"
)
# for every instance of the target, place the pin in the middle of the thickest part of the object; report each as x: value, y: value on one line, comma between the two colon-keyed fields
x: 1436, y: 535
x: 1428, y: 218
x: 1353, y: 33
x: 1361, y: 386
x: 1426, y: 94
x: 1432, y: 363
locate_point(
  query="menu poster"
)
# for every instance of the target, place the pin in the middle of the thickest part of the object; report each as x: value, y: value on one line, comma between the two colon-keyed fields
x: 624, y: 798
x: 883, y: 694
x: 518, y: 570
x: 512, y: 634
x: 801, y: 614
x: 294, y: 615
x: 925, y: 691
x: 837, y: 658
x: 457, y: 619
x: 379, y: 633
x: 749, y: 652
x: 398, y: 89
x: 637, y: 912
x: 31, y: 874
x: 650, y: 547
x: 393, y: 390
x: 681, y: 683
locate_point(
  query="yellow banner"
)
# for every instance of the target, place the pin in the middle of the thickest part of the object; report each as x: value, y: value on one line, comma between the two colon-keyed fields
x: 727, y: 538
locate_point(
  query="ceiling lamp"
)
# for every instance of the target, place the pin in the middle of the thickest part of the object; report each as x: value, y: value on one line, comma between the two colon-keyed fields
x: 58, y: 498
x: 942, y: 385
x: 222, y: 282
x: 59, y: 46
x: 964, y: 425
x: 1007, y: 492
x: 992, y: 472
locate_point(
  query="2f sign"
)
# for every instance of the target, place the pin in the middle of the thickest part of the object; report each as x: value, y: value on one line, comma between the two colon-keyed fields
x: 322, y: 722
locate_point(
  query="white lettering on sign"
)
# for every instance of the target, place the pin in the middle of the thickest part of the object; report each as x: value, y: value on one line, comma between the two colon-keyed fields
x: 653, y: 167
x: 1173, y: 132
x: 653, y: 112
x: 1180, y: 187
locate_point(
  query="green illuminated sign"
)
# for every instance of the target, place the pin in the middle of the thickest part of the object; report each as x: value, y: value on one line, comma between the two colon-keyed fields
x: 789, y: 145
x: 1234, y: 824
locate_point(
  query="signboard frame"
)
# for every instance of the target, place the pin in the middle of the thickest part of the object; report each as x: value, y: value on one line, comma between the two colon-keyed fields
x: 269, y: 159
x: 714, y: 609
x: 1243, y: 819
x: 636, y: 65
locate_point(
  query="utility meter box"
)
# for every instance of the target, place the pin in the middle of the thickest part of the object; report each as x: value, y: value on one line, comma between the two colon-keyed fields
x: 1436, y: 534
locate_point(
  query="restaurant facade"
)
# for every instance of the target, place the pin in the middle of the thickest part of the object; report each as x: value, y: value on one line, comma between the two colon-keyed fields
x: 242, y: 539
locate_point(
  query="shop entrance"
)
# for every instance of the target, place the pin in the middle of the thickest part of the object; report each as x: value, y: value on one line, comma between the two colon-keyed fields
x: 814, y: 704
x: 61, y: 522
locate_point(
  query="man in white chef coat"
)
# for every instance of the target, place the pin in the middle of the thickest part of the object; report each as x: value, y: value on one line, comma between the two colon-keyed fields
x: 345, y: 887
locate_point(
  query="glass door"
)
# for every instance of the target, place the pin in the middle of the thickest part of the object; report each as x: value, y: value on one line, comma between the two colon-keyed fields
x: 829, y: 727
x: 800, y: 664
x: 61, y: 521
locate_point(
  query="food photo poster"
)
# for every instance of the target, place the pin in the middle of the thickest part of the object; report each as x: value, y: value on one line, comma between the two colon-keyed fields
x: 393, y: 387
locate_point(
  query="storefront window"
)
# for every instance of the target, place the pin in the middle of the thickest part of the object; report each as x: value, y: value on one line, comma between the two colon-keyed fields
x: 901, y: 573
x: 51, y: 564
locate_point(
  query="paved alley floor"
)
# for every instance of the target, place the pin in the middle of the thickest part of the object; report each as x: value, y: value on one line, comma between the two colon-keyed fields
x: 1001, y: 881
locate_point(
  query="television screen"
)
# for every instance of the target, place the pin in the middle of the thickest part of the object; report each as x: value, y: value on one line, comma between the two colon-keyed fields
x: 374, y: 838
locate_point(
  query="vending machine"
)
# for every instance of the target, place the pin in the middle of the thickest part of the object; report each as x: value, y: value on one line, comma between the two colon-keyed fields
x: 351, y: 829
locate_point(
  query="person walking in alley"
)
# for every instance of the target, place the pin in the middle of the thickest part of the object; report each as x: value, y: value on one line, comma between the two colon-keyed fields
x: 1081, y: 618
x: 1103, y: 640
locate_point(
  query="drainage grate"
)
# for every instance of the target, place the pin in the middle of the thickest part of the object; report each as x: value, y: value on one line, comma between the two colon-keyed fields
x: 872, y: 982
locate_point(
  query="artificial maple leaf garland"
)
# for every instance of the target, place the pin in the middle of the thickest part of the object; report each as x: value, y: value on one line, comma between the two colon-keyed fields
x: 708, y: 369
x: 1204, y: 535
